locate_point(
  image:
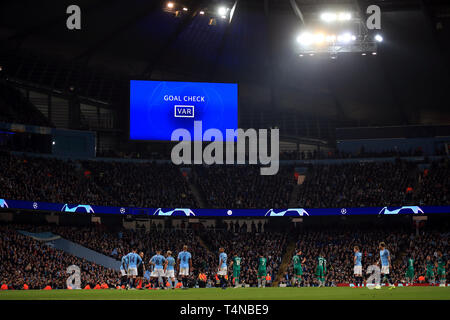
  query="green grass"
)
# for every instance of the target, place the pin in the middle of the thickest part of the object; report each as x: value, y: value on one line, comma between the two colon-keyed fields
x: 402, y: 293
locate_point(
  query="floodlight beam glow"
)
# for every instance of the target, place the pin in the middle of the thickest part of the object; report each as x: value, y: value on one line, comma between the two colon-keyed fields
x: 308, y: 38
x: 334, y: 16
x: 222, y: 11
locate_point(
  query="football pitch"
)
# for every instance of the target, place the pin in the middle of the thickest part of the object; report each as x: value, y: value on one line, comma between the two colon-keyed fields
x: 399, y: 293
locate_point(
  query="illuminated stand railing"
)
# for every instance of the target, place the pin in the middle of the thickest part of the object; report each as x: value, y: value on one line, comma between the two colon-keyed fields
x: 6, y: 204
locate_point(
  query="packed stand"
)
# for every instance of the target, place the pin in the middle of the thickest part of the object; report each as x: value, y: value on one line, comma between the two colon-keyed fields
x: 244, y: 186
x: 142, y: 184
x: 163, y: 185
x: 91, y: 182
x: 46, y: 180
x: 358, y: 185
x: 434, y: 184
x: 25, y: 261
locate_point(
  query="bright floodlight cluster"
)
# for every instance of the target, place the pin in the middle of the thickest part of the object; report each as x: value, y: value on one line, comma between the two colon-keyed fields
x: 223, y: 12
x: 307, y: 38
x: 336, y: 16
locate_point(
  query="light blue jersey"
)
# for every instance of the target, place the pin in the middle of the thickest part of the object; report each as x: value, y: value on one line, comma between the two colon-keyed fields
x: 384, y: 256
x: 124, y: 263
x: 358, y: 256
x: 223, y: 257
x: 133, y: 260
x: 184, y: 257
x: 170, y: 263
x: 158, y: 260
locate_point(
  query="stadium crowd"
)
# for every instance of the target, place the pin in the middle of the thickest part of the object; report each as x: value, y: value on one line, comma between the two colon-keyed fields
x: 46, y: 179
x: 151, y: 184
x: 374, y: 184
x: 25, y: 261
x: 244, y: 186
x: 141, y: 184
x: 434, y: 184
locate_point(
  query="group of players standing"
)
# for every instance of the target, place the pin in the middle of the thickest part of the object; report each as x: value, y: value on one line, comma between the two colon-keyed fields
x: 163, y: 267
x: 132, y: 269
x: 385, y: 260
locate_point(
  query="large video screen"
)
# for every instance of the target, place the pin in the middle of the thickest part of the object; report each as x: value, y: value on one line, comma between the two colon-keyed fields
x: 157, y: 108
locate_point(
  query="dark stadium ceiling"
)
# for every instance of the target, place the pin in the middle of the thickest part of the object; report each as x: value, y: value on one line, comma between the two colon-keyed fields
x: 406, y: 83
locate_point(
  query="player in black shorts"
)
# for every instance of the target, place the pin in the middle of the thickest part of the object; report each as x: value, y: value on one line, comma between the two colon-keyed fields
x: 141, y: 270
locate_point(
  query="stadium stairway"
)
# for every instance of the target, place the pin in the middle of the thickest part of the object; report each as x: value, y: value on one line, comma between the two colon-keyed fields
x: 294, y: 196
x: 203, y: 244
x: 59, y: 243
x: 285, y: 262
x: 84, y: 253
x: 196, y: 193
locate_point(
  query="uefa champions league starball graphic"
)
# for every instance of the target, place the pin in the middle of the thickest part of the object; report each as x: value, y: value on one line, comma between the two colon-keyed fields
x: 404, y: 209
x: 3, y: 204
x: 78, y: 208
x: 175, y: 212
x: 295, y: 212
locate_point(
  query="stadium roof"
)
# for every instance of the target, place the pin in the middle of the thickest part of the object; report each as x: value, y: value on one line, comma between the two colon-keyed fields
x: 404, y: 84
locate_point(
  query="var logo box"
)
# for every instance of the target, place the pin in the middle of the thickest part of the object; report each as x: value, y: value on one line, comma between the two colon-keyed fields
x: 184, y: 111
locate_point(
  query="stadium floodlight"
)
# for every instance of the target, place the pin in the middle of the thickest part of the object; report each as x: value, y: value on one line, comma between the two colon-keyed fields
x: 330, y: 38
x: 332, y: 16
x: 305, y: 39
x: 222, y: 11
x: 170, y: 5
x: 346, y: 37
x: 319, y: 38
x: 328, y: 16
x: 378, y: 38
x: 344, y: 16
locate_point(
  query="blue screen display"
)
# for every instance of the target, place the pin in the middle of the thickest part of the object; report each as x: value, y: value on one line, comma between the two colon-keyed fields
x: 157, y: 108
